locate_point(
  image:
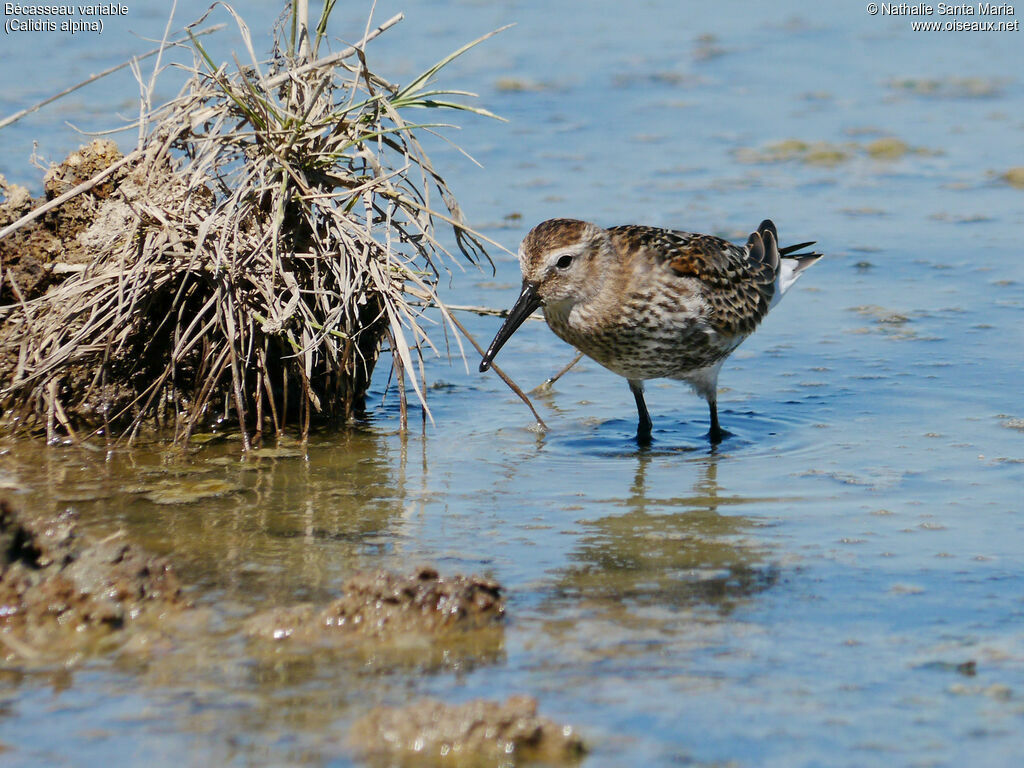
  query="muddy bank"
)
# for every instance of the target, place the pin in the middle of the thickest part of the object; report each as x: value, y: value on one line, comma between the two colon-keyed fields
x: 386, y: 606
x: 62, y: 595
x: 422, y: 621
x: 46, y: 250
x: 429, y: 732
x: 67, y: 596
x: 62, y: 247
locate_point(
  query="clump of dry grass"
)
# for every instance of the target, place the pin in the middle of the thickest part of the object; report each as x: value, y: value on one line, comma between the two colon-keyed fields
x: 278, y: 225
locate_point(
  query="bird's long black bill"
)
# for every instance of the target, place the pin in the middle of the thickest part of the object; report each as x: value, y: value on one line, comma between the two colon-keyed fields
x: 525, y: 305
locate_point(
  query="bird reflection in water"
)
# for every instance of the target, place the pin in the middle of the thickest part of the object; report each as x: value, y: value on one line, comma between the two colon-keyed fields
x: 661, y: 564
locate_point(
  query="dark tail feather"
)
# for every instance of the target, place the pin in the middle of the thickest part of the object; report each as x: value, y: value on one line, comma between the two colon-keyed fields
x: 789, y: 249
x: 764, y: 245
x: 755, y: 246
x: 768, y: 226
x: 771, y: 248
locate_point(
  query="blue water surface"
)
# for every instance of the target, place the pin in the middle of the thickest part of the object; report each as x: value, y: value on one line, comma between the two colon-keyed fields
x: 806, y: 594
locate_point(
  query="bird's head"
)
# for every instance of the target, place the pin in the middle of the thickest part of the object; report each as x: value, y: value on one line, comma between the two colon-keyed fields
x: 562, y: 261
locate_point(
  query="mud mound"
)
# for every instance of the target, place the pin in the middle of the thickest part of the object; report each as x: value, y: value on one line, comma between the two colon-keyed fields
x: 39, y: 254
x: 429, y: 732
x: 383, y: 605
x: 61, y: 594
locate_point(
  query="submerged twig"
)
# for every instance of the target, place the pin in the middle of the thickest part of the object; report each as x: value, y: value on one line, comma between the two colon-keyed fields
x: 504, y: 377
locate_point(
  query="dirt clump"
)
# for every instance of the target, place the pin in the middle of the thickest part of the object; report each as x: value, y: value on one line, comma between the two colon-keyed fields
x: 429, y: 732
x: 72, y: 243
x: 62, y: 595
x: 383, y: 605
x: 44, y: 251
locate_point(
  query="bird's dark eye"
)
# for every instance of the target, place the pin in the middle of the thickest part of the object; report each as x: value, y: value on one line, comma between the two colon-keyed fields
x: 564, y: 262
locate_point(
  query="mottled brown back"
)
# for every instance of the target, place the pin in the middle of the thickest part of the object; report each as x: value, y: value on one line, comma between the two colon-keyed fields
x: 740, y: 288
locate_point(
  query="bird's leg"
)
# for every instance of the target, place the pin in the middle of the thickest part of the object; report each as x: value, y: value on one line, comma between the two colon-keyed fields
x: 643, y: 427
x: 715, y: 433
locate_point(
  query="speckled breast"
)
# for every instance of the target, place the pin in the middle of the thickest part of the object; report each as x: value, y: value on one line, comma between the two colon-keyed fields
x: 647, y: 344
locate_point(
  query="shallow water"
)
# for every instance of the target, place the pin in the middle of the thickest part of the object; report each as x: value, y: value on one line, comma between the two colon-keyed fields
x: 805, y: 594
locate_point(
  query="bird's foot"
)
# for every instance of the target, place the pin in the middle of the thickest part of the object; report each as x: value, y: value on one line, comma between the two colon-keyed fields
x: 716, y: 435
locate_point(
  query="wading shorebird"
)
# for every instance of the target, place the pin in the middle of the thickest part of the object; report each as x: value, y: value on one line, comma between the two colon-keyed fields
x: 651, y: 303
